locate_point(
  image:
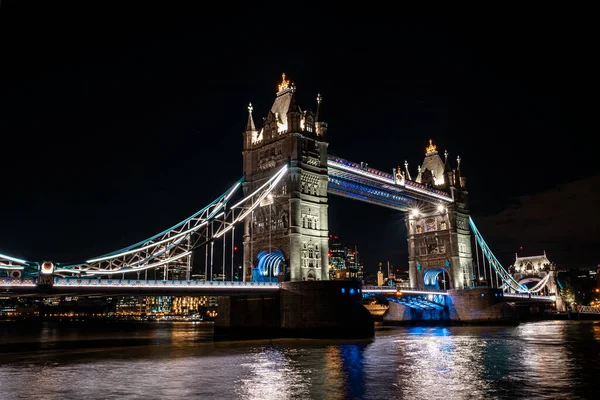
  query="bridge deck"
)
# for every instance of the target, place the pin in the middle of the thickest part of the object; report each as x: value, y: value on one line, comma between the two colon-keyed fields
x: 352, y: 180
x: 63, y: 286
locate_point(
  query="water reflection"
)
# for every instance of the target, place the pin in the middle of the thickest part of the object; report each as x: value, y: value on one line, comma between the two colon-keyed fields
x: 546, y: 360
x: 269, y: 373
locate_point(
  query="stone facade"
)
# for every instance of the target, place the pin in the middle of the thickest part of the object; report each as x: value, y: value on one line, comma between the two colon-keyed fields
x: 439, y: 236
x: 294, y: 220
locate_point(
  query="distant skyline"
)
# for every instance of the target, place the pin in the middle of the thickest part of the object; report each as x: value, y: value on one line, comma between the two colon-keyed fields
x: 117, y: 125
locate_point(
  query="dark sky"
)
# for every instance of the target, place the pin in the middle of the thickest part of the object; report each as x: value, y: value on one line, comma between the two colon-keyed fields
x: 119, y: 122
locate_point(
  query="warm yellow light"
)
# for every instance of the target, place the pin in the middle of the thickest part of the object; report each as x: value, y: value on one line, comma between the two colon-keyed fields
x: 284, y: 84
x: 432, y: 148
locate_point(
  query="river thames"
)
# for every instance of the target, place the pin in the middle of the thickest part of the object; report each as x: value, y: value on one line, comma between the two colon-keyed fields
x: 542, y: 360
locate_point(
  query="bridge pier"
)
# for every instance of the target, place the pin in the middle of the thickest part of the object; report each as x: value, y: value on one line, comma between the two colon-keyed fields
x: 479, y: 306
x: 312, y: 309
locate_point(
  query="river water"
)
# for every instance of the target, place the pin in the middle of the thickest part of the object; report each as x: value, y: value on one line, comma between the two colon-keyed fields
x: 84, y: 361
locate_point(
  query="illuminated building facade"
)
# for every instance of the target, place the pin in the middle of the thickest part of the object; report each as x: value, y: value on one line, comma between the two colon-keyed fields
x: 343, y: 261
x: 535, y: 271
x: 337, y: 256
x: 289, y: 231
x: 439, y: 237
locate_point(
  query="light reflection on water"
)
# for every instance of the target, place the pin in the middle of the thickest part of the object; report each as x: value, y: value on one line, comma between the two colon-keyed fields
x: 544, y: 360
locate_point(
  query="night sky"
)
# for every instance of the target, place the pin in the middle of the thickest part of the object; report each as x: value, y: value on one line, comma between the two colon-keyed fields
x: 118, y: 123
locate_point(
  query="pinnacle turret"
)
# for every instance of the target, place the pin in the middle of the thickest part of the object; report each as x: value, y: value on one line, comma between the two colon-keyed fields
x: 319, y: 99
x: 250, y: 127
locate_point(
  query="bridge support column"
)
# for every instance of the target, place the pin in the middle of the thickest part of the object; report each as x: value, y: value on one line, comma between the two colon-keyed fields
x: 317, y: 309
x: 470, y: 307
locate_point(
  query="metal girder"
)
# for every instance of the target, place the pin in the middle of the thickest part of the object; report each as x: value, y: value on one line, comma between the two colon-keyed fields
x: 420, y: 302
x: 177, y: 242
x: 351, y: 180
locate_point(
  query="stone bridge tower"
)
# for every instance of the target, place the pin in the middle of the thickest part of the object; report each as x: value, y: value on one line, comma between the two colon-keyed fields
x: 286, y: 238
x: 439, y: 236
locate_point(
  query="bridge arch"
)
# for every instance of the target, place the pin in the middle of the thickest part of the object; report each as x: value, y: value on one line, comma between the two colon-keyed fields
x: 437, y: 278
x: 529, y: 280
x: 538, y: 283
x: 268, y: 265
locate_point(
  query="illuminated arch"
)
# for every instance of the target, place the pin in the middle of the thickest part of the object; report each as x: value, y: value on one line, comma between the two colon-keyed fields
x: 431, y: 281
x: 269, y: 265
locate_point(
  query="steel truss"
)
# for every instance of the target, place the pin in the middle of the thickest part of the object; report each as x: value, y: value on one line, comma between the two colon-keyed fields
x: 12, y: 263
x: 177, y: 243
x: 352, y: 180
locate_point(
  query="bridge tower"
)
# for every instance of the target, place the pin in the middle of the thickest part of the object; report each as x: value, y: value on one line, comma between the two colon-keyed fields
x: 540, y: 272
x: 439, y: 237
x: 287, y: 237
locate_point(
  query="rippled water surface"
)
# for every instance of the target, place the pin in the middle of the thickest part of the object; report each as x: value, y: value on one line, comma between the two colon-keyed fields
x: 542, y: 360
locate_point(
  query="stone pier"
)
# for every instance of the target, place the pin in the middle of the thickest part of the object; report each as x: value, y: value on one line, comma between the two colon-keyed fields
x: 312, y: 309
x: 481, y: 306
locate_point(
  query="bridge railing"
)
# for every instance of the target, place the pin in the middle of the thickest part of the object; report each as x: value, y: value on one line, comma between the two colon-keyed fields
x: 529, y: 296
x: 392, y: 289
x: 385, y: 177
x: 588, y: 310
x: 95, y: 282
x: 163, y: 283
x: 5, y: 281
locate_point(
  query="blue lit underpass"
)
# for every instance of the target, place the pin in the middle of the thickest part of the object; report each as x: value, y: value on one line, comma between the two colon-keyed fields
x: 416, y: 299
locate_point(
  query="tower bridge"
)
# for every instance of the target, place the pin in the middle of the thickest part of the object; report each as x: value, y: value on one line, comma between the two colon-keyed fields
x: 282, y: 203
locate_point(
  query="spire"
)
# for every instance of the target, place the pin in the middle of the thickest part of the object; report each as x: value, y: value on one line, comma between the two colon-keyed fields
x: 432, y: 148
x: 293, y: 106
x: 460, y: 181
x: 319, y: 99
x: 284, y: 85
x: 293, y: 112
x: 407, y: 171
x: 250, y: 124
x: 446, y: 163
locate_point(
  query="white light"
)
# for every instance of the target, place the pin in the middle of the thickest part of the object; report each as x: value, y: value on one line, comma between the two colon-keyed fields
x: 441, y: 208
x: 232, y: 191
x: 4, y: 266
x: 17, y: 260
x: 73, y: 271
x: 414, y: 212
x: 359, y: 172
x: 124, y: 270
x: 150, y: 245
x: 279, y: 175
x: 281, y: 171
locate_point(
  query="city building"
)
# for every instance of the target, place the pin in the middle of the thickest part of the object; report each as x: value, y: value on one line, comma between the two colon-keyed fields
x: 337, y: 256
x: 343, y: 261
x: 379, y: 276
